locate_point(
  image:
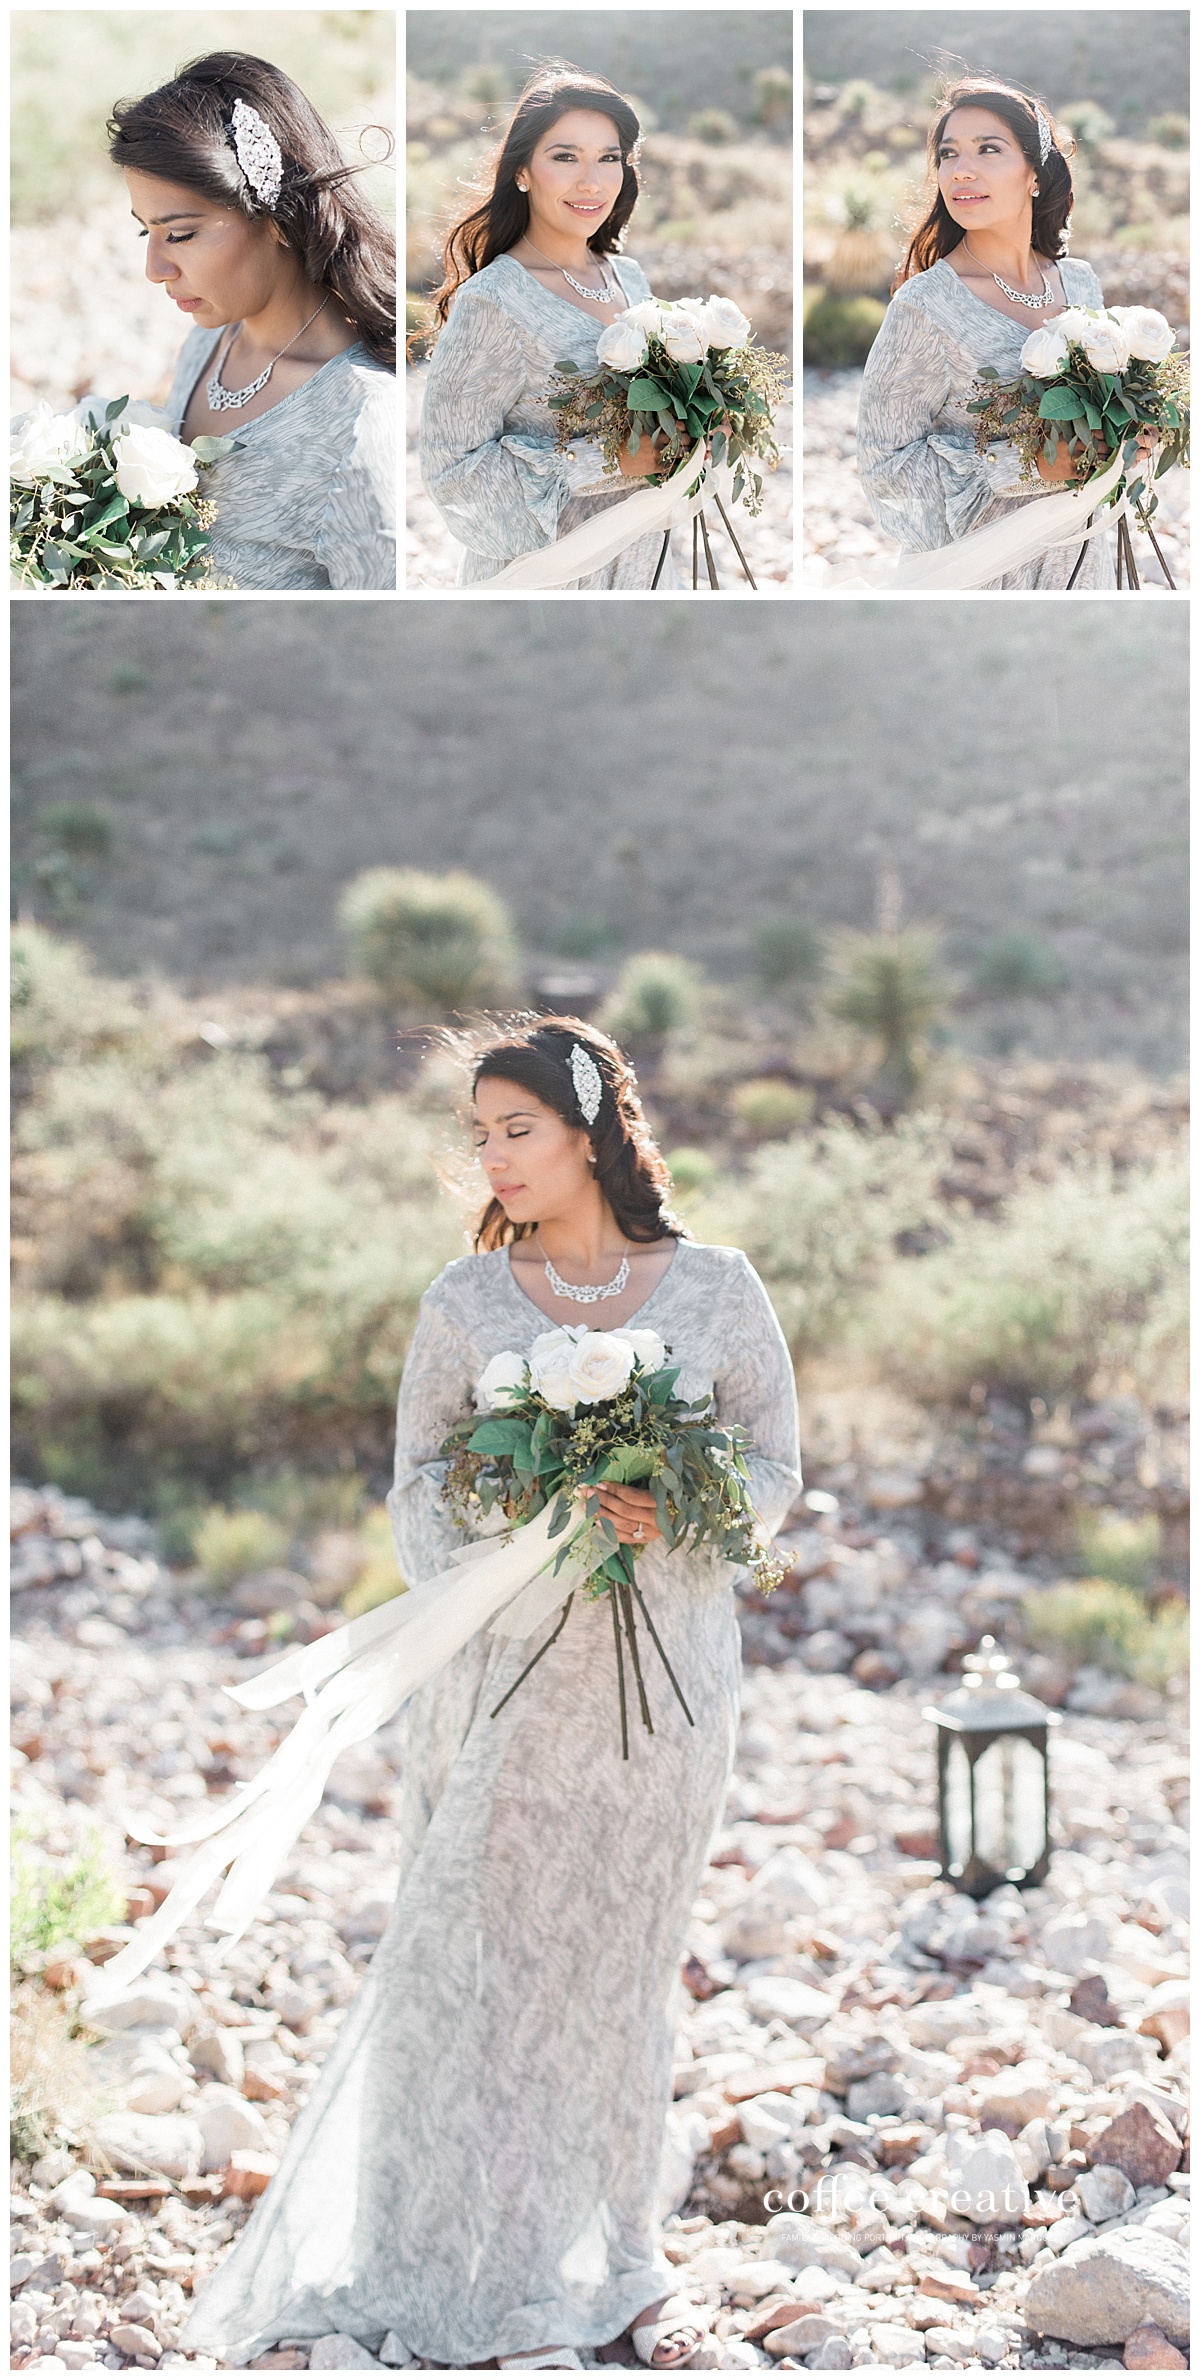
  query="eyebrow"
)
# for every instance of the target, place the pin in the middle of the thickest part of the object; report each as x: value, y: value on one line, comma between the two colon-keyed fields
x: 185, y: 215
x: 506, y: 1118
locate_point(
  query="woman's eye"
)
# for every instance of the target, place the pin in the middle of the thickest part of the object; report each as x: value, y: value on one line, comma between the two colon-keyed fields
x: 177, y: 239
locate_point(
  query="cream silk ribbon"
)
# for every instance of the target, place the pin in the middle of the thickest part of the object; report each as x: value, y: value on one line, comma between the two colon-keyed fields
x: 353, y: 1681
x: 971, y: 561
x: 607, y: 534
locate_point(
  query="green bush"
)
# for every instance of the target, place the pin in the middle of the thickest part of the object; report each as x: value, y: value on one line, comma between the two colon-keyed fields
x: 839, y: 332
x: 789, y: 950
x: 488, y: 84
x: 772, y: 1108
x: 1171, y: 131
x: 1089, y: 122
x: 1095, y: 1622
x: 1080, y: 1287
x: 84, y: 832
x: 714, y: 124
x: 691, y: 1170
x: 655, y: 994
x: 891, y: 988
x: 1120, y: 1546
x: 773, y: 95
x: 1018, y: 966
x: 229, y: 1544
x: 445, y: 940
x: 59, y: 1900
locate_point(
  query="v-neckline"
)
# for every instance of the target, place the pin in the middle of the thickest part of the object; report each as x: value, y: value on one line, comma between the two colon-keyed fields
x: 1036, y: 321
x: 552, y: 1324
x: 569, y: 303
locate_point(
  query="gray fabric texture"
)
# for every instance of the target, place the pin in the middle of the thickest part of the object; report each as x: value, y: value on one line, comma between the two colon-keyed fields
x: 487, y: 433
x: 311, y: 499
x: 924, y: 480
x: 477, y: 2166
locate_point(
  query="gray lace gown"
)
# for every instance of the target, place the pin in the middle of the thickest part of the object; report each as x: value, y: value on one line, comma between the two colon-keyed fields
x: 310, y: 501
x: 924, y: 480
x: 477, y: 2166
x: 487, y: 433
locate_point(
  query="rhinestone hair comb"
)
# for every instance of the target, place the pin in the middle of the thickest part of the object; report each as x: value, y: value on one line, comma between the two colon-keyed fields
x: 1044, y: 140
x: 589, y: 1089
x: 258, y: 152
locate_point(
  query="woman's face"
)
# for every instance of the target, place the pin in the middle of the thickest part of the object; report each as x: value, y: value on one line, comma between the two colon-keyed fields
x: 536, y: 1165
x: 216, y: 265
x: 575, y: 174
x: 983, y: 174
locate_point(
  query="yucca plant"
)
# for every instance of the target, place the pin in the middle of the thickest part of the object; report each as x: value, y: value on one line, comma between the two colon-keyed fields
x: 864, y: 209
x: 891, y: 988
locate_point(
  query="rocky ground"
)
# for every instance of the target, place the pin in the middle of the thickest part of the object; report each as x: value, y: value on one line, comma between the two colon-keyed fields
x: 909, y: 2129
x: 840, y: 530
x: 85, y: 320
x: 766, y: 542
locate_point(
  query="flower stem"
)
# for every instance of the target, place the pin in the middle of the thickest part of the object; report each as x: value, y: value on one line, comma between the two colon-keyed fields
x: 537, y: 1656
x: 631, y: 1633
x: 612, y: 1597
x: 662, y: 1656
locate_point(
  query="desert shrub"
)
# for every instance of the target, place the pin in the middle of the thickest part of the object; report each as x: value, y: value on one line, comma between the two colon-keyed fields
x: 228, y: 1544
x: 714, y: 124
x: 59, y: 1899
x: 379, y: 1579
x: 839, y: 332
x: 53, y: 2092
x: 1171, y: 131
x: 1121, y: 1546
x: 773, y: 95
x: 788, y: 950
x: 691, y: 1170
x: 447, y: 940
x: 60, y: 1006
x: 772, y: 1108
x: 488, y: 84
x: 1082, y: 1285
x: 1095, y: 1621
x: 655, y: 994
x: 889, y: 987
x: 817, y: 1217
x: 1089, y: 122
x: 1018, y: 966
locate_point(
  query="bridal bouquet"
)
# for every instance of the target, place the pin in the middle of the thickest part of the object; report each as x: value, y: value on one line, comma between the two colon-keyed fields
x: 1093, y: 374
x: 587, y: 1408
x: 104, y: 496
x: 689, y: 367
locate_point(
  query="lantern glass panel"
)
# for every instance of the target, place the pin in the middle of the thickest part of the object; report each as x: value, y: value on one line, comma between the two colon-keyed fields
x: 1010, y: 1815
x: 958, y: 1807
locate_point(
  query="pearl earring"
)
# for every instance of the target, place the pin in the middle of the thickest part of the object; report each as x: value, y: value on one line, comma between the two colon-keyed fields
x: 1037, y: 190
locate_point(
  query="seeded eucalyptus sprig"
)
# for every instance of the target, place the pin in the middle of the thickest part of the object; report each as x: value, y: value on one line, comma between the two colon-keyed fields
x: 737, y: 386
x: 1086, y: 406
x: 72, y: 527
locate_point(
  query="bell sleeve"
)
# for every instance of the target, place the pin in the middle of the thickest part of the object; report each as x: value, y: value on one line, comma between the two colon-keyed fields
x: 436, y: 1390
x: 356, y: 542
x: 756, y: 1386
x: 925, y: 485
x: 499, y: 491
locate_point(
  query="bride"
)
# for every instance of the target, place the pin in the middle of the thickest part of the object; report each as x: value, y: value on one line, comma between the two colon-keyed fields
x: 476, y: 2169
x: 985, y: 266
x: 256, y: 230
x: 532, y: 274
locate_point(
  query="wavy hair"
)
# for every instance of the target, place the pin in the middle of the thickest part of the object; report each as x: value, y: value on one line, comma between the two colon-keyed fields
x: 500, y: 216
x: 630, y: 1169
x: 938, y: 233
x: 182, y: 133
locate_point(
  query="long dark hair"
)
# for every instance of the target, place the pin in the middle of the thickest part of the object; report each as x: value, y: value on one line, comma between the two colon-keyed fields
x: 939, y: 233
x: 501, y: 215
x: 181, y: 133
x: 630, y: 1170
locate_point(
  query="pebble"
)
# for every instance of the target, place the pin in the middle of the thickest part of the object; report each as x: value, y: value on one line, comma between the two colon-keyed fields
x: 1103, y: 2289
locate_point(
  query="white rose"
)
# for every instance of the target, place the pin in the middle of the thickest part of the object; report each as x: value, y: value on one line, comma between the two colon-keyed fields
x: 622, y: 344
x: 724, y: 324
x: 1044, y: 352
x: 499, y: 1382
x: 682, y: 339
x: 41, y: 439
x: 600, y: 1366
x: 1105, y: 344
x: 152, y: 467
x: 647, y: 1347
x: 647, y: 317
x: 550, y: 1366
x: 1073, y: 325
x: 1149, y: 334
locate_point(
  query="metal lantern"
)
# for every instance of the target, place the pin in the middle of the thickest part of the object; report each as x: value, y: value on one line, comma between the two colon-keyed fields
x: 993, y: 1777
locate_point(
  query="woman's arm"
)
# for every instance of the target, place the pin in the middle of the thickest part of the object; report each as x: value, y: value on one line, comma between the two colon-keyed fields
x: 499, y: 492
x: 756, y: 1386
x: 356, y: 542
x: 436, y: 1389
x: 925, y: 486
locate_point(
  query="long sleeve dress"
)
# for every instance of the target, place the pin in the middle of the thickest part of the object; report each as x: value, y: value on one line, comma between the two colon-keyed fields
x: 487, y: 433
x: 917, y: 460
x: 310, y: 501
x: 477, y: 2166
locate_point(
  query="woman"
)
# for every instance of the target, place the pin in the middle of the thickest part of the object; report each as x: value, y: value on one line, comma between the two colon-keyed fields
x: 532, y: 275
x: 987, y: 264
x: 257, y: 231
x: 476, y: 2169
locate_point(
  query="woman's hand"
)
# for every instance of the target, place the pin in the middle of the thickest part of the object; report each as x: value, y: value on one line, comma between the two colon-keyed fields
x: 649, y: 457
x: 1074, y: 462
x: 631, y: 1511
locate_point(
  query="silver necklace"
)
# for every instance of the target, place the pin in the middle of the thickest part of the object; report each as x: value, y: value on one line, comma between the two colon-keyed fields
x: 606, y: 295
x: 221, y: 399
x: 588, y: 1296
x: 1020, y: 297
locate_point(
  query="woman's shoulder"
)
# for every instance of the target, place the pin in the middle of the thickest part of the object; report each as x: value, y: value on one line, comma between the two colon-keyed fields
x: 631, y: 277
x: 920, y: 288
x: 1075, y: 271
x: 460, y: 1285
x: 720, y: 1267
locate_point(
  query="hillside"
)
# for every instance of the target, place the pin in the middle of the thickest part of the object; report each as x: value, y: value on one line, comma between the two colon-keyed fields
x: 192, y: 791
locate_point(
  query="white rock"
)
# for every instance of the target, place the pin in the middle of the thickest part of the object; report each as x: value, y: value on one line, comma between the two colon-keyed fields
x: 1076, y: 1940
x: 395, y: 2354
x: 171, y: 2145
x: 895, y: 2344
x: 337, y: 2352
x: 833, y: 2355
x: 152, y: 2000
x: 796, y: 2240
x: 1064, y: 2234
x: 218, y: 2050
x: 685, y: 2138
x: 227, y: 2123
x: 1104, y: 2192
x: 799, y: 2004
x: 142, y: 2071
x: 986, y: 2181
x: 1102, y: 2289
x: 813, y: 2281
